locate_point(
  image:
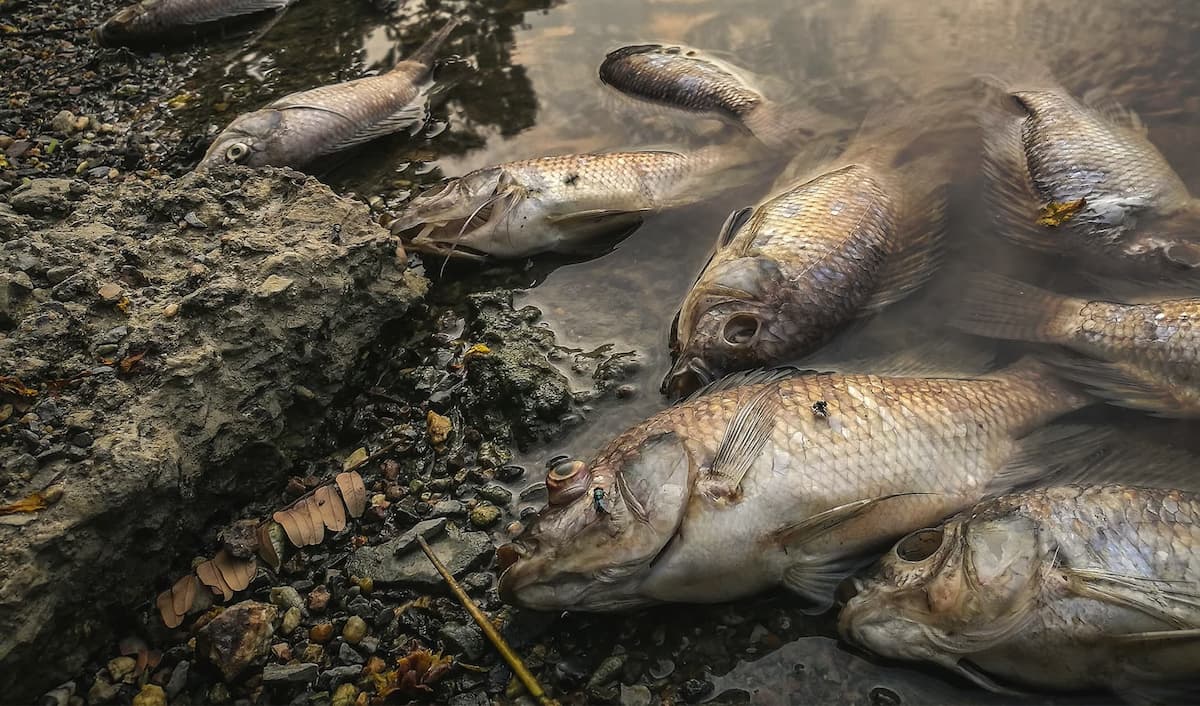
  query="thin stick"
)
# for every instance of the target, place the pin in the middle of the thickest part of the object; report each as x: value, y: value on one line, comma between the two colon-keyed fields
x: 514, y: 661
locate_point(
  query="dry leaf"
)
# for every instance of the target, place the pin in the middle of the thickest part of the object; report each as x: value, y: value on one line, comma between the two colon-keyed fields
x: 476, y: 351
x: 355, y: 459
x: 270, y: 543
x: 1055, y: 214
x: 354, y: 493
x: 291, y: 525
x: 316, y: 520
x: 210, y: 576
x: 332, y: 510
x: 38, y: 501
x: 183, y: 594
x: 438, y: 427
x: 129, y: 361
x: 13, y: 386
x: 238, y: 573
x: 166, y: 610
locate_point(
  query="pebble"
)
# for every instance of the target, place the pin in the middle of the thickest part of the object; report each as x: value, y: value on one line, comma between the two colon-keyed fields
x: 178, y: 680
x: 355, y: 630
x: 299, y: 673
x: 607, y: 670
x: 318, y: 598
x: 636, y: 695
x: 238, y: 637
x: 121, y: 667
x: 150, y: 695
x: 448, y: 508
x: 60, y: 695
x: 291, y: 620
x: 286, y: 597
x: 460, y: 551
x: 464, y: 639
x: 484, y: 515
x: 42, y: 196
x: 470, y: 698
x: 312, y: 653
x: 110, y: 292
x: 101, y: 692
x: 274, y: 285
x: 349, y: 655
x: 344, y: 695
x: 63, y: 123
x: 321, y: 633
x: 282, y: 651
x: 337, y: 675
x: 495, y: 494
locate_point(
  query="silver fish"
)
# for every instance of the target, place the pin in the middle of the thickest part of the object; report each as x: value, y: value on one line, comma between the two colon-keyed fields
x: 787, y: 481
x: 299, y: 128
x: 151, y: 20
x: 1072, y: 587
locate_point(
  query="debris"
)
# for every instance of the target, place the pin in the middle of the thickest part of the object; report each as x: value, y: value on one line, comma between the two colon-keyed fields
x: 238, y: 637
x: 33, y: 503
x: 355, y: 459
x: 1055, y: 214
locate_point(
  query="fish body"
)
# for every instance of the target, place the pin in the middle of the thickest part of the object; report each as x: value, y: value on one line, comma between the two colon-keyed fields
x: 1070, y: 587
x: 1067, y: 176
x: 837, y: 243
x: 1145, y: 356
x: 300, y: 128
x: 151, y: 20
x: 777, y: 482
x: 557, y: 204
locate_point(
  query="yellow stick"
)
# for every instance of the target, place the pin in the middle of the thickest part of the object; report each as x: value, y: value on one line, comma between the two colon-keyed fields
x: 514, y: 661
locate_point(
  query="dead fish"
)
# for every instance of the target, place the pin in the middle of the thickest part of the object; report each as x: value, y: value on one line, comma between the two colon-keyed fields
x: 840, y: 242
x: 558, y: 204
x: 761, y: 481
x: 1143, y: 356
x: 151, y: 20
x: 1071, y: 587
x: 299, y: 128
x: 690, y: 80
x: 1067, y: 177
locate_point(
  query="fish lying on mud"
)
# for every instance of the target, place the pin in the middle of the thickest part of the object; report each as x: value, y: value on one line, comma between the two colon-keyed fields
x: 300, y: 128
x: 689, y: 80
x: 1067, y: 177
x: 560, y: 204
x: 1145, y: 356
x: 841, y: 241
x: 155, y: 20
x: 1071, y: 587
x: 784, y: 481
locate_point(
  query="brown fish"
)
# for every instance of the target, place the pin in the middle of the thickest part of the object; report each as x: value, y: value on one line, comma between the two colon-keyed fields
x: 159, y: 20
x: 1072, y: 587
x: 784, y: 481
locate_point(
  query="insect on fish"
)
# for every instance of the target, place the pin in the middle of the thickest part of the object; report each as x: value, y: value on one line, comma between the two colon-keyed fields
x: 743, y: 487
x: 1071, y: 587
x: 1066, y: 176
x: 302, y: 127
x: 151, y: 20
x: 1144, y: 356
x: 559, y: 204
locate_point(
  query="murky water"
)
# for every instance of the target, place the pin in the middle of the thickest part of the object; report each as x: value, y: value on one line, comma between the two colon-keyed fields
x: 527, y: 87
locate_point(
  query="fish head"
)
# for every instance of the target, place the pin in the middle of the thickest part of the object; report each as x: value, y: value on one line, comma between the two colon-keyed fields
x: 247, y: 140
x: 121, y: 26
x: 729, y: 321
x: 466, y: 208
x: 606, y: 523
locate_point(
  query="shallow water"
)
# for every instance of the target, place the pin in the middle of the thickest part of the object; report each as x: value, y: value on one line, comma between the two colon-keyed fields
x: 528, y: 87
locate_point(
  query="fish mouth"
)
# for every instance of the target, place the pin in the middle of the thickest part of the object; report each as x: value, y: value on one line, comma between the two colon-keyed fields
x: 686, y: 377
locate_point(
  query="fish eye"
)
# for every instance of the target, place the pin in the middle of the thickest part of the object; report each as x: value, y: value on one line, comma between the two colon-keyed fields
x: 237, y: 151
x: 919, y: 545
x: 566, y: 480
x: 739, y: 329
x: 566, y: 469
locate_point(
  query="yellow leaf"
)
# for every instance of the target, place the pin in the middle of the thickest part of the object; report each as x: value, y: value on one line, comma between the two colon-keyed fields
x: 355, y: 459
x: 1055, y: 214
x: 35, y: 502
x: 475, y: 351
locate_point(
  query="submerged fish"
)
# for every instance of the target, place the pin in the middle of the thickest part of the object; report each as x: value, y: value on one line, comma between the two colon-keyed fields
x: 690, y: 80
x: 151, y: 20
x: 558, y: 204
x: 1067, y: 176
x: 1074, y: 587
x: 786, y: 481
x: 840, y: 242
x: 302, y: 127
x: 1145, y: 356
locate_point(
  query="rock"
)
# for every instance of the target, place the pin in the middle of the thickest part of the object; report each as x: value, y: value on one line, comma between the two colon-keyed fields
x: 349, y: 655
x: 110, y: 292
x: 355, y: 630
x: 495, y: 494
x: 291, y: 621
x: 299, y: 673
x: 470, y: 698
x: 282, y: 652
x: 463, y: 639
x: 286, y: 597
x: 209, y: 418
x: 448, y: 508
x: 312, y: 653
x: 636, y: 695
x: 178, y: 680
x: 458, y: 550
x: 150, y: 695
x: 60, y: 695
x: 344, y: 695
x: 318, y: 598
x: 337, y: 675
x: 121, y: 667
x: 63, y: 123
x: 273, y: 285
x: 321, y: 633
x: 426, y: 529
x: 241, y: 540
x: 607, y: 670
x: 238, y: 637
x: 101, y: 692
x: 484, y: 515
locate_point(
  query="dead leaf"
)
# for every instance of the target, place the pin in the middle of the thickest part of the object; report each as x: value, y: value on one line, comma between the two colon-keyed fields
x: 354, y: 492
x: 129, y: 361
x: 355, y: 459
x: 32, y: 503
x: 438, y: 428
x: 166, y: 611
x: 291, y: 525
x: 183, y: 594
x: 13, y: 386
x: 332, y: 510
x: 316, y: 522
x: 238, y: 573
x: 476, y: 351
x: 210, y: 576
x: 270, y: 543
x: 1055, y: 214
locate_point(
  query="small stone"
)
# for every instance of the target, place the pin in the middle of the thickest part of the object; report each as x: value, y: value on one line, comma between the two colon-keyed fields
x: 299, y: 673
x: 349, y: 655
x: 101, y: 692
x: 448, y: 508
x: 171, y: 309
x: 291, y: 621
x: 462, y: 638
x: 312, y: 653
x: 484, y: 515
x: 318, y: 598
x: 110, y: 292
x: 178, y: 680
x: 121, y: 667
x: 495, y: 494
x: 321, y: 633
x: 218, y: 694
x: 273, y: 285
x: 607, y: 670
x: 150, y: 695
x: 42, y: 196
x: 238, y: 637
x: 344, y: 695
x: 286, y: 597
x: 355, y: 630
x: 337, y: 675
x: 636, y: 695
x: 470, y: 698
x: 63, y: 123
x: 282, y: 651
x: 240, y: 539
x: 369, y: 644
x: 396, y: 562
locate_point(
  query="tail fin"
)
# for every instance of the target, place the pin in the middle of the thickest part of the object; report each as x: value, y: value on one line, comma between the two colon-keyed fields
x: 427, y: 52
x: 999, y: 307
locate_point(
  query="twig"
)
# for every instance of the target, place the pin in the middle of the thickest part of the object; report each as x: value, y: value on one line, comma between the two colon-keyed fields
x: 514, y: 660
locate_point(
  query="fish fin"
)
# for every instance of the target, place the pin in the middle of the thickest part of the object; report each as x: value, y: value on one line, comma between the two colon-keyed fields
x: 967, y: 670
x: 1128, y: 460
x: 999, y: 307
x: 221, y: 11
x: 730, y: 228
x: 1112, y: 111
x: 816, y: 579
x: 746, y: 435
x: 426, y: 53
x: 1157, y: 636
x: 438, y: 249
x: 598, y: 218
x: 412, y: 115
x: 917, y: 257
x: 1172, y: 602
x: 797, y: 534
x: 1123, y: 385
x: 945, y: 357
x: 744, y: 377
x: 1051, y: 453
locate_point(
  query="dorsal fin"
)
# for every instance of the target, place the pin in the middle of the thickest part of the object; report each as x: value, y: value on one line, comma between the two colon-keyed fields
x: 745, y: 377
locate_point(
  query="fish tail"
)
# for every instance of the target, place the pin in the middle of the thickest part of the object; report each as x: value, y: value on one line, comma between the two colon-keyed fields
x: 780, y: 126
x: 427, y: 52
x: 999, y: 307
x: 1047, y: 383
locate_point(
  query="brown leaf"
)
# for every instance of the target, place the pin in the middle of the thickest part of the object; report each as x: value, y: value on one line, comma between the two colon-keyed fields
x: 129, y: 361
x: 32, y: 503
x: 291, y: 525
x: 270, y: 545
x: 166, y: 610
x: 354, y: 493
x: 332, y: 510
x: 238, y: 573
x: 210, y: 576
x: 183, y: 594
x: 316, y: 523
x: 13, y: 386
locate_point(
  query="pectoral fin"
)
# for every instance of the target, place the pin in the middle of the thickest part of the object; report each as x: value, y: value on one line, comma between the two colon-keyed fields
x: 746, y: 436
x: 599, y: 218
x: 1124, y: 385
x: 410, y: 116
x: 1173, y: 602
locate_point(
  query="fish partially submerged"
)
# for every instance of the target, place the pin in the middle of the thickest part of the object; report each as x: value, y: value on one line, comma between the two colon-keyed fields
x: 1145, y: 356
x: 1071, y: 587
x: 843, y: 240
x: 155, y: 20
x: 781, y: 481
x: 300, y: 128
x: 559, y: 204
x: 1067, y: 177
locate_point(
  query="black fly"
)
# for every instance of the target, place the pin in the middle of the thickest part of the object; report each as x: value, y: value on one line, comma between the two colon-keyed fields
x: 820, y: 409
x: 600, y: 502
x: 571, y: 179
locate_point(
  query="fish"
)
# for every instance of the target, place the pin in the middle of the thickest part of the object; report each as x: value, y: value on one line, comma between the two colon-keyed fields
x: 690, y: 80
x: 772, y: 478
x: 1071, y: 587
x: 561, y: 203
x: 1069, y: 177
x: 153, y: 20
x: 1144, y: 356
x: 300, y: 128
x: 839, y: 242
